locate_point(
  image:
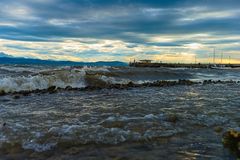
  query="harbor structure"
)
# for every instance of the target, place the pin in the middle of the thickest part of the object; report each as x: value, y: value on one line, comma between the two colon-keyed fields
x: 151, y: 63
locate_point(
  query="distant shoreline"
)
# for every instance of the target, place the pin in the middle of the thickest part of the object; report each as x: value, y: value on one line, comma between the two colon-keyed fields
x: 29, y: 61
x: 183, y: 65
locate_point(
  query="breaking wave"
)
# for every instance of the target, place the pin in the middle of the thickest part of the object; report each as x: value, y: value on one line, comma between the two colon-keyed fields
x: 92, y: 77
x: 67, y: 77
x: 60, y: 79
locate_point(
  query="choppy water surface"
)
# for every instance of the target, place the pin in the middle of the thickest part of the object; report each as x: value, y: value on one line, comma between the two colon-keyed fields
x: 177, y: 122
x: 29, y: 78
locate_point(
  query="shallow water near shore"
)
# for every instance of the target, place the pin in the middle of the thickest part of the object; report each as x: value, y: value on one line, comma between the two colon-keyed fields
x: 176, y: 122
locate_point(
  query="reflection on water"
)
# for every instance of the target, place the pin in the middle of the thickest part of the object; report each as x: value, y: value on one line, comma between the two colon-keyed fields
x: 178, y: 122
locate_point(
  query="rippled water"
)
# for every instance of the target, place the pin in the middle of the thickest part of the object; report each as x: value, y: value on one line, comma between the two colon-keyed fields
x: 177, y: 122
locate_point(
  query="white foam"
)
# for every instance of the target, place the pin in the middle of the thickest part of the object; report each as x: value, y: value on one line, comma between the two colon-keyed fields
x: 38, y: 147
x: 60, y: 79
x: 112, y: 80
x: 19, y: 69
x: 99, y: 69
x: 95, y: 133
x: 150, y: 116
x: 125, y: 118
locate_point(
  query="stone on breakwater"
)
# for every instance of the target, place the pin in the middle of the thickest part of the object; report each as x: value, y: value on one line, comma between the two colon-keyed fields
x: 131, y: 84
x: 52, y: 89
x: 68, y: 88
x: 94, y: 83
x: 24, y: 93
x: 185, y: 82
x: 231, y: 140
x: 2, y: 93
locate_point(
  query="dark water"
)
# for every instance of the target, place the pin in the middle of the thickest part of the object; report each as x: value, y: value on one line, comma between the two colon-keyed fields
x: 177, y: 122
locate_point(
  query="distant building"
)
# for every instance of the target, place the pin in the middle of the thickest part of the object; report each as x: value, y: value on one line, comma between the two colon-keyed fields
x: 146, y: 61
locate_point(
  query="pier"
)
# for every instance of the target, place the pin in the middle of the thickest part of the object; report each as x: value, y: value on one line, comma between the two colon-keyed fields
x: 149, y: 63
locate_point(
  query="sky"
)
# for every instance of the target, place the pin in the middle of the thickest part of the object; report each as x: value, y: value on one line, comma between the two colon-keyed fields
x: 179, y: 31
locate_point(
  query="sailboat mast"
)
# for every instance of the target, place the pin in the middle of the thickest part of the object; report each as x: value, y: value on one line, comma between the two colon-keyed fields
x: 214, y: 52
x: 221, y: 57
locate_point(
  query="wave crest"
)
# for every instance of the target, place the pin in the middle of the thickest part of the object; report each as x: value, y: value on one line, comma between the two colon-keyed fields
x: 93, y: 78
x: 60, y: 79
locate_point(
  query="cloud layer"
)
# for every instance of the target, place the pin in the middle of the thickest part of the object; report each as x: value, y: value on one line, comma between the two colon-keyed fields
x: 92, y: 30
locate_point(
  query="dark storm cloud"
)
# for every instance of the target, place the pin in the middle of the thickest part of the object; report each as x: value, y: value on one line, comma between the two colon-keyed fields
x: 45, y: 20
x: 18, y: 47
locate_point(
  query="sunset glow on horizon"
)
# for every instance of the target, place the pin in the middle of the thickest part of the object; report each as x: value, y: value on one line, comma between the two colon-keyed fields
x: 179, y: 31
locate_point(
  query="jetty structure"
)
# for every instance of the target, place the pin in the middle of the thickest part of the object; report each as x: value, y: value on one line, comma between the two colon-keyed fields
x: 151, y: 63
x: 213, y: 64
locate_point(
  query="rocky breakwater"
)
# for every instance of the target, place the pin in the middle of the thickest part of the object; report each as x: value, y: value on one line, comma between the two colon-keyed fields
x: 93, y: 83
